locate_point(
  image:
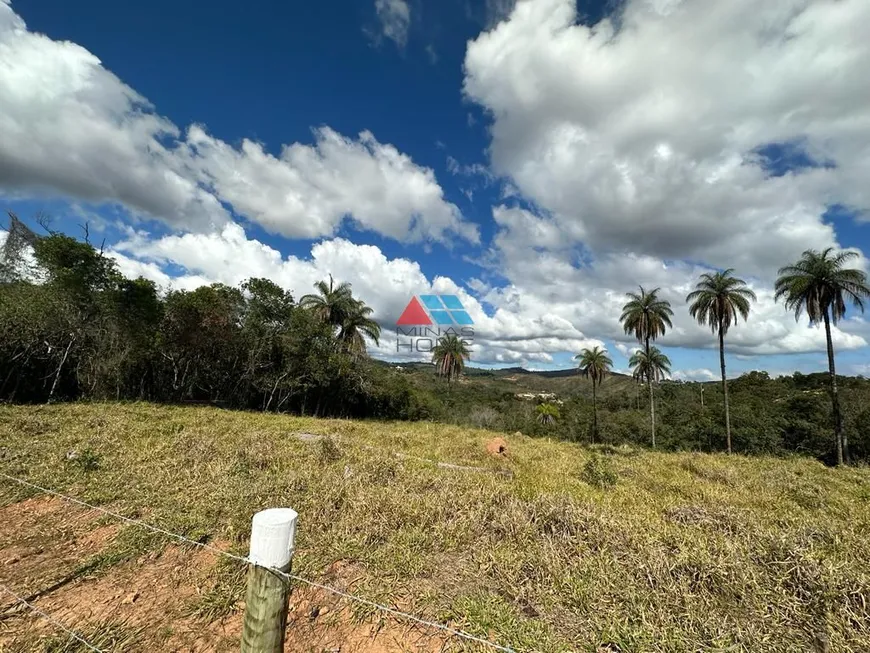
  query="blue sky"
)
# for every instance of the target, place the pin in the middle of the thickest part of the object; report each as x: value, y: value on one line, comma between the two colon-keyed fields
x: 538, y: 158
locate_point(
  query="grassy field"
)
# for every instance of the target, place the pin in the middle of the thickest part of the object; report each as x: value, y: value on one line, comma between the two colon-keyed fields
x: 578, y: 550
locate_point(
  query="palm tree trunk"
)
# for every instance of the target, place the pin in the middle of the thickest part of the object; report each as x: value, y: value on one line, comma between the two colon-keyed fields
x: 652, y: 404
x: 652, y: 412
x: 594, y: 413
x: 842, y: 445
x: 724, y: 387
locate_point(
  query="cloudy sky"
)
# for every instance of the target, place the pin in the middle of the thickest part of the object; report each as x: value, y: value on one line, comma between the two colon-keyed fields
x: 539, y: 158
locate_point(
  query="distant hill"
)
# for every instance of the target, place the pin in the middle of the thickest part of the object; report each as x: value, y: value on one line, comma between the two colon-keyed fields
x: 516, y: 380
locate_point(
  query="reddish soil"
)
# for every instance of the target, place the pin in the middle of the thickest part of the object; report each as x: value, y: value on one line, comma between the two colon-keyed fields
x: 497, y: 447
x: 44, y: 540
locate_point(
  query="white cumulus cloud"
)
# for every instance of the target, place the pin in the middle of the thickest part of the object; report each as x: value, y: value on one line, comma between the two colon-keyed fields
x: 309, y: 189
x: 548, y: 274
x: 642, y: 134
x: 70, y: 127
x: 230, y: 256
x: 701, y: 374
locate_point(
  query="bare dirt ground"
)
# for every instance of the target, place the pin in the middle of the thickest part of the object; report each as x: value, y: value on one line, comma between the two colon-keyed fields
x: 145, y: 603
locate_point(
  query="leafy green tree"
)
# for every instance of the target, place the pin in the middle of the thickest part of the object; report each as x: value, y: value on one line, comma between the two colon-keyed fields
x: 308, y: 368
x: 34, y: 333
x: 267, y: 321
x: 653, y: 366
x: 718, y: 299
x: 594, y: 364
x: 74, y: 267
x: 803, y: 428
x: 120, y: 362
x: 78, y: 279
x: 268, y: 306
x: 647, y: 317
x: 200, y: 342
x: 449, y: 356
x: 821, y: 284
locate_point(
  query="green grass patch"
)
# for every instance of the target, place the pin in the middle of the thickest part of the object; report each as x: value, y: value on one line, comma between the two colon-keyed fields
x: 581, y: 548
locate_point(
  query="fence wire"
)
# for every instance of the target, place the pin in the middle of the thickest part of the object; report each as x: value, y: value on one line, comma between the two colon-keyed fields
x: 181, y: 538
x: 51, y: 619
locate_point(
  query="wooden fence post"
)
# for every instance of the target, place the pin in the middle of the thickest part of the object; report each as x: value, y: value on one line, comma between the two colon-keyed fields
x: 272, y: 534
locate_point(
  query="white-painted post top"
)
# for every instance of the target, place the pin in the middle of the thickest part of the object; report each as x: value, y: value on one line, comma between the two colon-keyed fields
x: 273, y: 532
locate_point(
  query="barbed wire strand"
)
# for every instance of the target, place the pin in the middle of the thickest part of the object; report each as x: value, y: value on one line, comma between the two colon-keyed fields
x: 51, y: 619
x: 135, y: 522
x: 244, y: 560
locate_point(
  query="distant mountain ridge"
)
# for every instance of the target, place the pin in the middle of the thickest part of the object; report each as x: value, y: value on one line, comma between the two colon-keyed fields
x: 498, y: 372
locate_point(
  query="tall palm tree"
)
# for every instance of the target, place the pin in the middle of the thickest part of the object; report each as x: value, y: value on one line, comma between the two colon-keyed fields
x: 332, y: 303
x: 594, y: 364
x: 820, y: 284
x: 718, y: 299
x: 651, y: 366
x: 647, y: 317
x: 449, y: 356
x: 355, y: 326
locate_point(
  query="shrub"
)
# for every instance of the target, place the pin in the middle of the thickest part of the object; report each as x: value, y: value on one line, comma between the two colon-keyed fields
x: 483, y: 417
x: 598, y: 472
x: 327, y: 450
x: 86, y: 460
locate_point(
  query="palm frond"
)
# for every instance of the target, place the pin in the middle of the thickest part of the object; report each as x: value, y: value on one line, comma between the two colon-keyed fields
x: 646, y: 316
x: 651, y: 367
x: 820, y: 285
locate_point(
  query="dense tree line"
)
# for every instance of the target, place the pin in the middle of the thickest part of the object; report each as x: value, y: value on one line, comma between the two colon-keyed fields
x: 820, y: 284
x: 71, y: 327
x: 775, y: 416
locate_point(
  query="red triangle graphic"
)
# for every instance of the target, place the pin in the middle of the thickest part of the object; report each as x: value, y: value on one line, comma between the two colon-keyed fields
x: 413, y: 314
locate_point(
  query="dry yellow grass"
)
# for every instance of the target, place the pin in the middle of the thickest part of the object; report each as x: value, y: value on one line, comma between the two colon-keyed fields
x: 685, y: 552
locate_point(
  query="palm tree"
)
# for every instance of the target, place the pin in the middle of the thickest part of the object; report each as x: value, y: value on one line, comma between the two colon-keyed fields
x: 647, y: 317
x: 332, y: 304
x: 594, y: 364
x: 547, y: 414
x: 653, y: 367
x: 718, y: 299
x: 819, y: 284
x: 355, y: 326
x: 337, y: 306
x: 449, y: 356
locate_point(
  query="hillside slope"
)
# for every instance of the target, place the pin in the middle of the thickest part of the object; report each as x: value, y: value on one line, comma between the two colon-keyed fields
x: 685, y: 552
x: 514, y: 380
